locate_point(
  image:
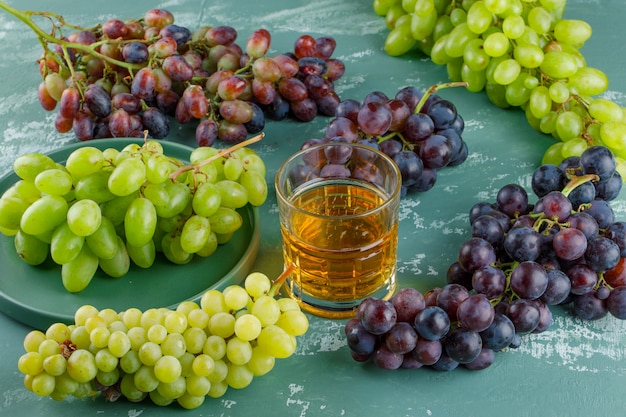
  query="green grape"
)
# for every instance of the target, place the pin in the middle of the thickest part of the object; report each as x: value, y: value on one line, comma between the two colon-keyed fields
x: 266, y: 309
x: 569, y: 125
x: 399, y: 40
x: 151, y: 317
x: 179, y: 196
x: 613, y: 135
x: 513, y: 26
x: 516, y: 93
x: 94, y: 187
x: 78, y: 273
x: 496, y: 44
x: 129, y: 390
x: 497, y: 6
x: 294, y: 322
x: 474, y: 56
x: 103, y: 242
x: 438, y: 52
x: 105, y: 360
x: 195, y: 233
x: 11, y: 211
x: 209, y: 247
x: 540, y: 103
x: 236, y: 297
x: 140, y: 222
x: 54, y: 181
x: 65, y: 384
x: 44, y: 215
x: 195, y: 337
x: 28, y: 166
x: 559, y: 65
x: 59, y: 332
x: 222, y: 324
x: 25, y: 190
x: 475, y: 80
x: 261, y: 362
x: 119, y: 343
x: 589, y: 81
x: 65, y: 244
x: 32, y: 340
x: 119, y: 264
x: 43, y: 384
x: 605, y: 111
x: 149, y: 353
x: 442, y: 27
x: 108, y: 379
x: 145, y: 379
x: 30, y: 249
x: 496, y: 93
x: 233, y: 167
x: 424, y: 7
x: 99, y: 337
x: 507, y: 71
x: 572, y: 32
x: 190, y: 402
x: 540, y: 20
x: 479, y: 18
x: 422, y: 26
x: 175, y: 322
x: 156, y: 193
x: 528, y: 55
x: 574, y: 147
x: 218, y: 389
x: 458, y: 16
x: 127, y: 177
x: 158, y: 168
x: 130, y: 362
x: 257, y: 284
x: 142, y: 256
x: 458, y: 39
x: 287, y: 304
x: 115, y: 210
x: 84, y: 217
x: 156, y: 333
x: 393, y: 14
x: 276, y: 342
x: 167, y: 369
x: 173, y: 251
x: 248, y: 327
x: 198, y: 386
x: 256, y: 187
x: 81, y: 366
x: 239, y: 376
x: 84, y: 161
x: 233, y: 194
x: 172, y: 390
x: 80, y: 337
x: 559, y: 92
x: 30, y: 363
x: 238, y: 351
x: 408, y: 5
x: 215, y: 347
x: 225, y: 220
x: 174, y: 345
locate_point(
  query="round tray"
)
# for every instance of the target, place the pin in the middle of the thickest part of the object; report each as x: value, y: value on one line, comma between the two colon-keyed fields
x: 35, y: 296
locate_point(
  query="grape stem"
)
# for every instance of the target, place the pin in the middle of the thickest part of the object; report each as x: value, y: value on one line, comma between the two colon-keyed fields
x: 278, y: 283
x: 44, y: 38
x: 220, y: 154
x: 577, y: 180
x: 434, y: 88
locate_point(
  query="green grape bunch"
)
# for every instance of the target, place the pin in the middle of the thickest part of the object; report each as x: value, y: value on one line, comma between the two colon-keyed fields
x: 521, y: 53
x: 108, y: 209
x: 178, y: 356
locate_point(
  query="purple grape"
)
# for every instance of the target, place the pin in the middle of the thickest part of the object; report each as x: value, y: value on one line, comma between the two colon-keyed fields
x: 401, y: 338
x: 432, y: 323
x: 483, y: 361
x: 450, y: 297
x: 589, y: 307
x: 583, y: 279
x: 418, y: 127
x: 445, y: 363
x: 616, y: 303
x: 598, y: 160
x: 558, y: 288
x: 488, y: 228
x: 529, y: 280
x: 523, y: 244
x: 349, y: 109
x: 489, y: 281
x: 617, y: 233
x: 338, y: 153
x: 443, y: 113
x: 602, y: 212
x: 548, y: 178
x: 359, y: 340
x: 479, y: 209
x: 583, y: 194
x: 378, y: 316
x: 475, y: 253
x: 427, y: 352
x: 512, y: 200
x: 463, y: 345
x: 410, y: 95
x: 524, y: 314
x: 586, y: 224
x: 457, y: 275
x: 569, y: 244
x: 499, y: 334
x: 386, y: 359
x: 435, y: 151
x: 475, y: 313
x: 609, y: 189
x: 426, y: 181
x: 556, y: 206
x: 602, y: 254
x: 410, y: 166
x: 545, y: 317
x: 407, y: 302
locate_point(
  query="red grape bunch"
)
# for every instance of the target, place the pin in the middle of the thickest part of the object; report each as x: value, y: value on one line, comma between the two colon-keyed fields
x: 421, y: 132
x: 122, y: 78
x: 567, y: 249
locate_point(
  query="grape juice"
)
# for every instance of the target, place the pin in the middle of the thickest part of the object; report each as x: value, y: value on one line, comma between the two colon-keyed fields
x: 342, y: 239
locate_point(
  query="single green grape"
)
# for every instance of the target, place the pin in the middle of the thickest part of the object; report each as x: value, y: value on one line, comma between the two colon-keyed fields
x: 103, y: 242
x: 28, y: 166
x: 84, y: 217
x: 30, y: 249
x: 65, y: 244
x: 118, y: 265
x: 79, y: 272
x: 127, y: 177
x: 84, y: 161
x: 140, y: 222
x: 44, y: 215
x: 54, y: 181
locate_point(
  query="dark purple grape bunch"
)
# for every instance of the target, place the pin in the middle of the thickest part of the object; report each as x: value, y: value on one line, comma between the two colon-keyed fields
x: 442, y: 329
x: 129, y: 77
x: 421, y: 132
x: 566, y: 249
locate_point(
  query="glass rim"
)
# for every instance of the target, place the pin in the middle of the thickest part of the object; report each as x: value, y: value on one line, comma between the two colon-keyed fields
x: 390, y: 198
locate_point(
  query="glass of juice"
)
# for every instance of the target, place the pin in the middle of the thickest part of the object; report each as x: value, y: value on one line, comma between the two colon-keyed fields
x: 338, y: 205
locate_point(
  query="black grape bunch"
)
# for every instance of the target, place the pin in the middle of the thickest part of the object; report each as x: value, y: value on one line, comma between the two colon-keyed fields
x: 566, y: 250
